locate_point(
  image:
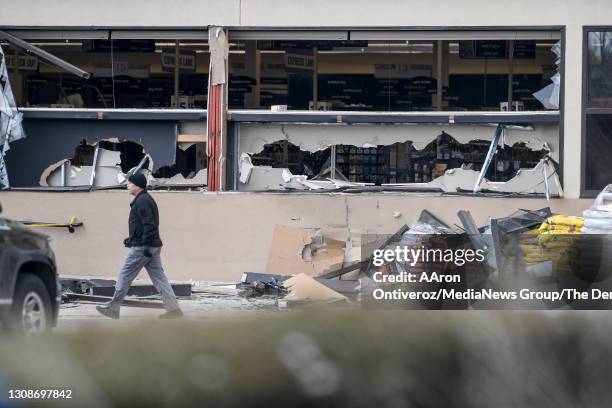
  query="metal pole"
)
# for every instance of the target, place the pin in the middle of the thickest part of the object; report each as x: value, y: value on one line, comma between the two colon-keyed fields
x: 315, y: 77
x: 510, y: 74
x: 333, y: 162
x: 177, y: 54
x: 439, y: 56
x: 257, y: 96
x: 93, y: 167
x: 18, y: 42
x: 490, y: 154
x: 63, y: 174
x: 545, y: 174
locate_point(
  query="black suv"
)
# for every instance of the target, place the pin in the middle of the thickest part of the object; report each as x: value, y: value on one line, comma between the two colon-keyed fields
x: 29, y: 286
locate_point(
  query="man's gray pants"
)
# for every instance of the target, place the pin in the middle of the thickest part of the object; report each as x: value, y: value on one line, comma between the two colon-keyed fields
x: 134, y: 262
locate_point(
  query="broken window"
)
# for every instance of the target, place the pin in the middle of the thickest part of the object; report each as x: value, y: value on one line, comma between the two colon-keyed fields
x: 496, y: 74
x: 190, y: 160
x: 402, y: 163
x: 444, y: 163
x: 285, y: 154
x: 108, y: 163
x: 104, y: 164
x: 125, y: 73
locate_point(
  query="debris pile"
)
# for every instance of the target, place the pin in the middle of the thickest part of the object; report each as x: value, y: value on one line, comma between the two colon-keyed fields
x: 97, y: 290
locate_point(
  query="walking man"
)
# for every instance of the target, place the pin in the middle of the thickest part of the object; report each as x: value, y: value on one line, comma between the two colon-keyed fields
x: 145, y: 247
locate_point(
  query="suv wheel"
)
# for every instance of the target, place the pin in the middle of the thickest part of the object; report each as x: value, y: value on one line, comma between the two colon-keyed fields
x: 31, y: 314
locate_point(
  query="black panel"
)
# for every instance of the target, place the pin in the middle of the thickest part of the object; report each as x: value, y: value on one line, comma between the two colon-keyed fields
x: 48, y: 141
x: 598, y: 151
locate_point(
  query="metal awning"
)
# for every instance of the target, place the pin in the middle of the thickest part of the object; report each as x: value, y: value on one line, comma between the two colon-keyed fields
x: 201, y: 35
x: 454, y: 35
x: 60, y: 34
x: 306, y: 35
x: 433, y: 117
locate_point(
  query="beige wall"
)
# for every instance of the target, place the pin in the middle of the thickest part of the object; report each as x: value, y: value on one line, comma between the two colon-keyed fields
x: 216, y: 237
x: 299, y: 13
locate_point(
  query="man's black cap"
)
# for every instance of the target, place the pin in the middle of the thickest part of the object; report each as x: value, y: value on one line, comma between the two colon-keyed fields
x: 139, y: 179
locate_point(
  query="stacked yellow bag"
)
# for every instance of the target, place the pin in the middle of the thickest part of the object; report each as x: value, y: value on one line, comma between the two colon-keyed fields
x: 553, y: 241
x: 562, y: 224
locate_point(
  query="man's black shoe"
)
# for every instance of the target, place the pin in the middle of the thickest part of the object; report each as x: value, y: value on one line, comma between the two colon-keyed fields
x: 108, y: 311
x: 174, y: 314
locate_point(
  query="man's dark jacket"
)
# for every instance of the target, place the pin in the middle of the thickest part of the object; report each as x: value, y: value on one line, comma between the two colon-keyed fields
x: 143, y: 222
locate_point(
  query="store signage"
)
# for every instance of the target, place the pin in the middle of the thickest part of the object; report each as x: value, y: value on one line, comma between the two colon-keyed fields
x: 123, y: 85
x: 187, y: 60
x: 524, y: 49
x: 401, y: 70
x: 496, y: 49
x: 299, y: 62
x: 123, y: 68
x: 21, y: 62
x: 490, y: 49
x: 323, y: 45
x: 119, y: 45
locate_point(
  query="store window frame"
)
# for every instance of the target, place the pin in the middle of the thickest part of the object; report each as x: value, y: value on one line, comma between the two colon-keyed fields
x: 238, y: 116
x: 434, y: 34
x: 32, y: 34
x: 586, y: 110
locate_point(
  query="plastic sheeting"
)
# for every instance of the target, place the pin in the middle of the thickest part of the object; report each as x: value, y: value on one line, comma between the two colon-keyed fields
x: 11, y: 128
x: 549, y: 95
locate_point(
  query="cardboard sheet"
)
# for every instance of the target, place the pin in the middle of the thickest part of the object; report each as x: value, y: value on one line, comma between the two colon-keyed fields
x: 305, y: 288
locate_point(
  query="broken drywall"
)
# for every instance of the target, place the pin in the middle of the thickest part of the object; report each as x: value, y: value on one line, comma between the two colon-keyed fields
x: 246, y: 165
x: 78, y: 170
x: 526, y: 181
x: 300, y: 250
x: 531, y: 181
x: 63, y: 173
x: 454, y: 179
x: 257, y: 178
x: 444, y: 150
x: 315, y: 137
x: 264, y: 178
x: 302, y: 183
x: 51, y: 140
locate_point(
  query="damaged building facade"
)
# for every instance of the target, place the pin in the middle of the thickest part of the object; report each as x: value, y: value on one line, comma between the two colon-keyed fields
x: 346, y: 118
